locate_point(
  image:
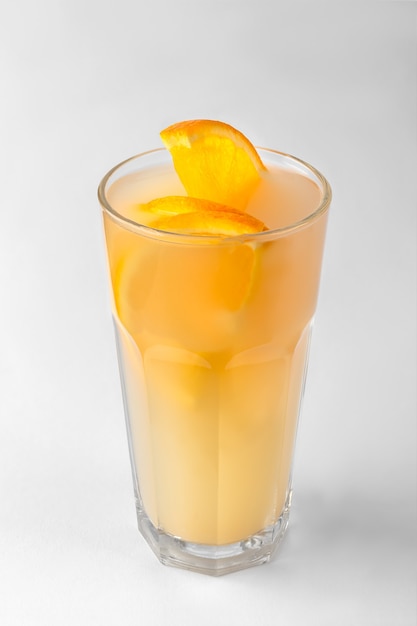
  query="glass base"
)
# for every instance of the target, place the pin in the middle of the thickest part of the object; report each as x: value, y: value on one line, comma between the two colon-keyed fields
x: 210, y: 559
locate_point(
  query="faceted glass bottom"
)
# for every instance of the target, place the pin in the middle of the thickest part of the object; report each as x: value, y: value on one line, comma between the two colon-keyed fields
x: 211, y: 559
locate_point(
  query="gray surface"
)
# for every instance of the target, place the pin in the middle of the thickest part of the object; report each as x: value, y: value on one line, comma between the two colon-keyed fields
x: 85, y: 85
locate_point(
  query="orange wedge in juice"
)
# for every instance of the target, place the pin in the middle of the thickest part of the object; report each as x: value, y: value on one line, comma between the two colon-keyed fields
x: 183, y: 214
x: 223, y: 223
x: 219, y: 169
x: 214, y: 161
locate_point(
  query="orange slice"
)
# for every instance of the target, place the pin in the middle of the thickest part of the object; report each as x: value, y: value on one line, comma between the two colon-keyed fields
x: 214, y: 161
x: 182, y: 214
x: 216, y: 223
x: 171, y: 205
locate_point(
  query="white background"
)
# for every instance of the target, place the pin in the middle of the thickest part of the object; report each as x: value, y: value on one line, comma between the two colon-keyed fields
x: 85, y: 84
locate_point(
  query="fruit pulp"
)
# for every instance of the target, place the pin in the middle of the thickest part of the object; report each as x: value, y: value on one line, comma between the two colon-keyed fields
x: 213, y: 338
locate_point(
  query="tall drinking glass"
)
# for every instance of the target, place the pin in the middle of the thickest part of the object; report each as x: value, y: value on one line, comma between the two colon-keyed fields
x: 212, y: 336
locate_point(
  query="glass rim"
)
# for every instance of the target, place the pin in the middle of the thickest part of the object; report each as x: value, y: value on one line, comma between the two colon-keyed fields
x: 272, y: 233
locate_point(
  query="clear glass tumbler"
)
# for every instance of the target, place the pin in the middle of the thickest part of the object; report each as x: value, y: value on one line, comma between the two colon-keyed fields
x: 213, y: 336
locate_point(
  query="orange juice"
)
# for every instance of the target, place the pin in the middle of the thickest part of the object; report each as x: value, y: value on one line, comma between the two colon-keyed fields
x: 213, y: 335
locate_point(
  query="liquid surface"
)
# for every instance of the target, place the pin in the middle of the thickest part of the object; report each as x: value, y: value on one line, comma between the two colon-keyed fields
x: 283, y: 197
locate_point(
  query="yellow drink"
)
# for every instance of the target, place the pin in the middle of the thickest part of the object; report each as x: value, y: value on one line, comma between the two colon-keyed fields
x: 213, y: 336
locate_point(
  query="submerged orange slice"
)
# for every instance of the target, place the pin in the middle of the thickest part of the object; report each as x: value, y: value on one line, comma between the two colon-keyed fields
x: 182, y: 214
x: 214, y: 161
x: 171, y: 205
